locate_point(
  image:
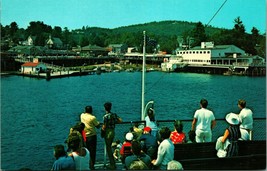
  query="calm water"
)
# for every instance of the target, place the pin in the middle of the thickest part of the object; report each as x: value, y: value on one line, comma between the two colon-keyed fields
x: 37, y: 114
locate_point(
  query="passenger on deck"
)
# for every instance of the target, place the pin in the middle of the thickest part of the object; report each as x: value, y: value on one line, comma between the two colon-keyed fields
x: 149, y: 143
x: 90, y: 122
x: 178, y: 136
x: 109, y: 121
x: 116, y: 149
x: 151, y: 122
x: 126, y: 149
x: 63, y: 161
x: 79, y: 127
x: 138, y: 165
x: 80, y: 154
x: 245, y: 117
x: 137, y: 155
x: 165, y: 150
x: 232, y: 133
x: 137, y: 130
x: 203, y: 123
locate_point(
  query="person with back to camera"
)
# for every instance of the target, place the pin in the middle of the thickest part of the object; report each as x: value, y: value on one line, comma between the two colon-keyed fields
x: 63, y: 161
x: 90, y: 122
x: 178, y: 136
x: 79, y: 126
x: 232, y: 133
x: 80, y: 154
x: 204, y: 122
x: 165, y: 149
x: 151, y: 122
x: 246, y: 118
x: 108, y: 129
x: 149, y: 143
x: 137, y: 155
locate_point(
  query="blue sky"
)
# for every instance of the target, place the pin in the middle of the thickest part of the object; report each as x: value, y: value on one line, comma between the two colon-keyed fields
x: 115, y: 13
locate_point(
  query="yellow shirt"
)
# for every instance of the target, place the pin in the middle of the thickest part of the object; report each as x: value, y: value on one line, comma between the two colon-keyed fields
x: 90, y: 122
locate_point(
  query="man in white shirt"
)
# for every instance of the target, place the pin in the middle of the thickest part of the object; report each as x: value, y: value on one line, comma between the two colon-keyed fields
x: 203, y: 122
x: 245, y: 117
x: 165, y: 150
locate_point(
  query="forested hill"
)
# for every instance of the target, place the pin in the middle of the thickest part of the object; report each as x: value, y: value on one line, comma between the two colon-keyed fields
x: 165, y: 28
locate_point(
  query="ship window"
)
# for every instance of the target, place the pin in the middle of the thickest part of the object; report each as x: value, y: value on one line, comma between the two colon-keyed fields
x: 187, y: 52
x: 193, y: 52
x: 200, y: 52
x: 208, y: 52
x: 204, y: 52
x: 190, y: 52
x: 196, y: 51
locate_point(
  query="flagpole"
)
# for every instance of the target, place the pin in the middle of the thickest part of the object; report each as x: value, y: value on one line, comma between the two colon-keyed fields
x: 143, y: 77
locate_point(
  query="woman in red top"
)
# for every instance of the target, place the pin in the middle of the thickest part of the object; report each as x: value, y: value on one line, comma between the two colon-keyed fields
x: 178, y: 136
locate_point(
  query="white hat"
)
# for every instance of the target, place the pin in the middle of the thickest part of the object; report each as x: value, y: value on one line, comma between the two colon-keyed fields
x: 129, y: 136
x: 232, y: 118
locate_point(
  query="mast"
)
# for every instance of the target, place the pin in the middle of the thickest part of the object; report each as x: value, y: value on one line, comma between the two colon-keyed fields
x: 143, y: 77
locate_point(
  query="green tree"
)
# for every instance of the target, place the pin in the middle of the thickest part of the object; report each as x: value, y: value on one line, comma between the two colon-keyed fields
x: 13, y: 29
x: 57, y: 32
x: 198, y: 34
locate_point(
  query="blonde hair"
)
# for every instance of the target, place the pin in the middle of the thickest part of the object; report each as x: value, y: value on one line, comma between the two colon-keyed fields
x: 174, y: 165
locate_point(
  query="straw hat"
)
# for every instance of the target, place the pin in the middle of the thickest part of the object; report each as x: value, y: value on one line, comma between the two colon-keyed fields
x: 232, y: 118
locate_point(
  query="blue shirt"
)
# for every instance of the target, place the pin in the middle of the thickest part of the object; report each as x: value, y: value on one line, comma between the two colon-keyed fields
x: 64, y: 163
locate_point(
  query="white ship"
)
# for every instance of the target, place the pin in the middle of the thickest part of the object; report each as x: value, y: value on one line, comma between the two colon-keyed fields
x: 173, y: 63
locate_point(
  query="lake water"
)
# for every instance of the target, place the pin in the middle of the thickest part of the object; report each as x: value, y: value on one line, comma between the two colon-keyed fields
x: 37, y: 114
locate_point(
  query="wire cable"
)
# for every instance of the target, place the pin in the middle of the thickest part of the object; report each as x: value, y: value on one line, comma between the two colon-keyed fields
x: 216, y: 12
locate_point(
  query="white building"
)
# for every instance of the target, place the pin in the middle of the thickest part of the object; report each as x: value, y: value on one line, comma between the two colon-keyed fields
x: 208, y: 54
x: 33, y: 67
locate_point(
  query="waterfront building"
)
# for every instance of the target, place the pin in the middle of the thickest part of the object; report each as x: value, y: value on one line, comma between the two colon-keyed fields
x: 33, y: 67
x: 25, y: 51
x: 117, y: 49
x: 91, y: 50
x: 210, y: 54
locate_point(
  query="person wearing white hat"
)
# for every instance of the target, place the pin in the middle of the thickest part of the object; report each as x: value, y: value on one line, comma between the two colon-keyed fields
x: 232, y: 133
x: 126, y: 148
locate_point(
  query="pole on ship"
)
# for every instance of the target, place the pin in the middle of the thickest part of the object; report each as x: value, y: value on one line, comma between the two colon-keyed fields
x: 143, y: 77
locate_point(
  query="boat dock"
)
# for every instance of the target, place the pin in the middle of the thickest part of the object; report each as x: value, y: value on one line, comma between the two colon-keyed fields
x: 57, y: 74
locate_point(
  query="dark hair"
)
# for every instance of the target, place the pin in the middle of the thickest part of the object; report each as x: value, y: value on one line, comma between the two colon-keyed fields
x: 88, y: 109
x: 59, y: 151
x: 118, y: 141
x: 204, y: 103
x: 242, y: 103
x: 178, y: 126
x: 108, y: 106
x: 150, y: 114
x: 165, y: 132
x: 74, y: 140
x: 192, y: 135
x: 79, y: 127
x: 136, y: 147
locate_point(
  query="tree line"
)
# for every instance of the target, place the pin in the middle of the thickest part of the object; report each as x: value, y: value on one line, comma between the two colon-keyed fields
x: 165, y: 36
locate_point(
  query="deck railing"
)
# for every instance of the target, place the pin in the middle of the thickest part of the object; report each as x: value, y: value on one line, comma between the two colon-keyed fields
x: 259, y: 132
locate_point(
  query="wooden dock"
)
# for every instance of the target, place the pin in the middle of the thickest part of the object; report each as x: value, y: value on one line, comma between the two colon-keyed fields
x: 58, y: 74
